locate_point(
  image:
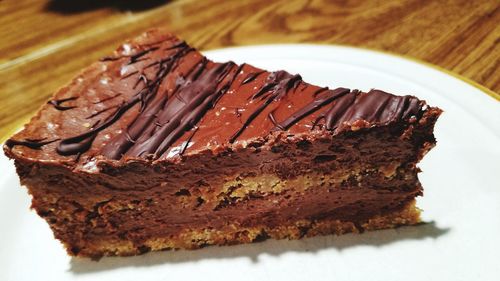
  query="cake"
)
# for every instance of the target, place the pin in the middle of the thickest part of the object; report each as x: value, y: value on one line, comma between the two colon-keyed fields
x: 156, y: 147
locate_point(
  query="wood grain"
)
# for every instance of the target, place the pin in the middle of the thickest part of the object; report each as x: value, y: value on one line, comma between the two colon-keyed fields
x: 45, y: 43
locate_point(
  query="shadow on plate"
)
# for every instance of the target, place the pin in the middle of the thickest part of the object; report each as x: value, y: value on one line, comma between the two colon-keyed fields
x: 270, y: 247
x: 79, y: 6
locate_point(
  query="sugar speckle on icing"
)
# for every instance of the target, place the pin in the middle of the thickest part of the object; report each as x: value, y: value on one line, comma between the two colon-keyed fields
x: 90, y: 167
x: 177, y: 149
x: 124, y: 70
x: 51, y: 126
x: 127, y: 49
x: 104, y: 80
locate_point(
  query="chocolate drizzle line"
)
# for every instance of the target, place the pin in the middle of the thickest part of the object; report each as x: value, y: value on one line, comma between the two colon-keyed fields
x: 276, y: 87
x: 100, y: 112
x: 251, y: 76
x: 321, y: 90
x: 58, y: 103
x: 163, y: 119
x: 108, y: 98
x: 187, y: 107
x: 375, y: 107
x: 110, y: 58
x: 144, y: 124
x: 186, y: 144
x: 137, y: 57
x: 129, y: 75
x: 237, y: 72
x: 82, y: 142
x: 142, y: 78
x: 273, y: 120
x: 323, y: 98
x: 31, y: 143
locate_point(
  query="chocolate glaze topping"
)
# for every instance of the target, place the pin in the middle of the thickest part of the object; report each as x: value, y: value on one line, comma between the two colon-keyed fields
x: 276, y: 87
x: 81, y: 143
x: 179, y: 114
x: 167, y: 97
x: 321, y: 99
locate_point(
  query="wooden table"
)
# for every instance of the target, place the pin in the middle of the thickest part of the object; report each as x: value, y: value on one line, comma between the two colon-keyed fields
x: 44, y: 43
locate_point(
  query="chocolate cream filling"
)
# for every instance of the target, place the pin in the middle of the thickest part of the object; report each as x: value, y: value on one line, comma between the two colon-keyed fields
x: 166, y: 214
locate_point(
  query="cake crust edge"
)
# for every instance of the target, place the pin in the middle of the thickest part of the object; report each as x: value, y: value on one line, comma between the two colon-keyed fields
x: 407, y: 215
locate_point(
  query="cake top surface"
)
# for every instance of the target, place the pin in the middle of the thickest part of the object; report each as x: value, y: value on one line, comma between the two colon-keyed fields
x: 158, y: 99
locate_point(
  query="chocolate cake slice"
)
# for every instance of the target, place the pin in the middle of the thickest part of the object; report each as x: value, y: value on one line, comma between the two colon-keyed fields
x: 156, y: 147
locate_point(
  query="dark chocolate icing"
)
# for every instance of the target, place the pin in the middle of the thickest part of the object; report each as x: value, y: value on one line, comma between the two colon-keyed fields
x: 187, y: 106
x: 375, y: 108
x: 276, y: 87
x: 168, y: 97
x: 321, y: 99
x: 82, y: 142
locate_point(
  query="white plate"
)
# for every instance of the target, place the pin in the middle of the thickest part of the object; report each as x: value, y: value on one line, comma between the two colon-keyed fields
x: 461, y: 181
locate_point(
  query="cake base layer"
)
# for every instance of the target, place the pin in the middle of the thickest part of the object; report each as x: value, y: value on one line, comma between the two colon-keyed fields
x: 408, y: 214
